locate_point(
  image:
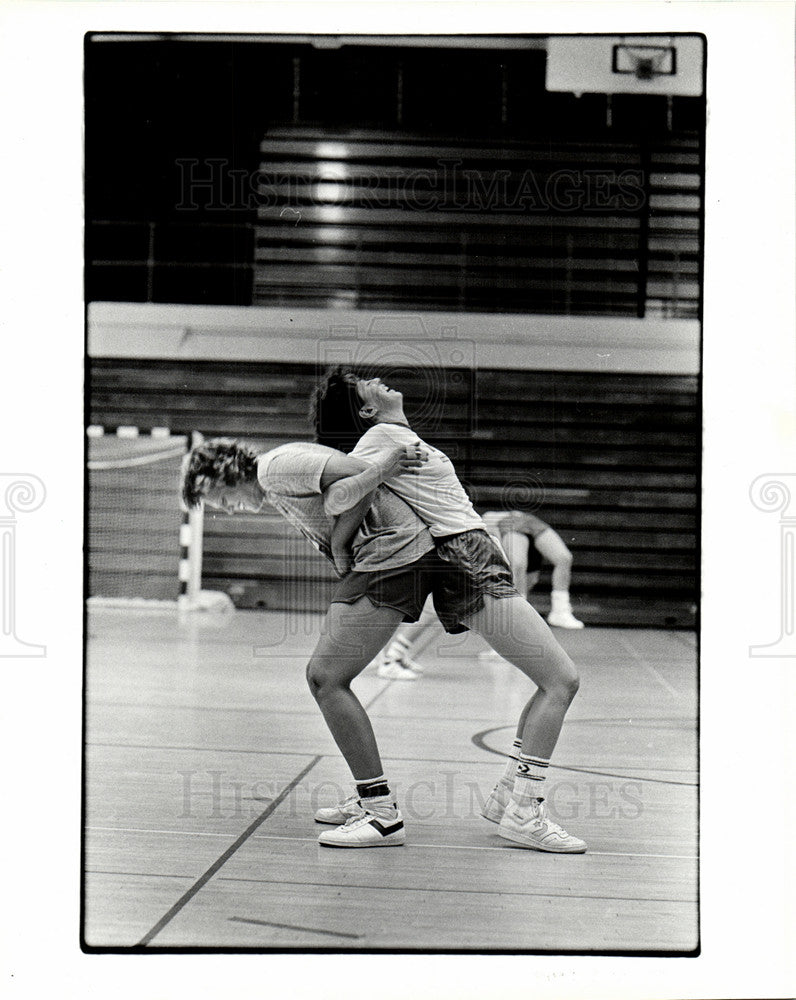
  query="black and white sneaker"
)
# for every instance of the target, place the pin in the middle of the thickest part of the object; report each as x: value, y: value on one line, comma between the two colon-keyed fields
x: 368, y: 830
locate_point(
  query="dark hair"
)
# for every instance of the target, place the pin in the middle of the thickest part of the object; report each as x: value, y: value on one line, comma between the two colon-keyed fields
x: 334, y: 411
x: 220, y: 461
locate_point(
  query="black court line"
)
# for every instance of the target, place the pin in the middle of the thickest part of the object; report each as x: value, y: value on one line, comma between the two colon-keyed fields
x: 479, y: 740
x: 249, y: 710
x: 203, y: 749
x: 265, y: 753
x: 395, y: 757
x: 293, y: 927
x: 535, y: 894
x: 629, y: 777
x: 102, y: 871
x: 211, y: 871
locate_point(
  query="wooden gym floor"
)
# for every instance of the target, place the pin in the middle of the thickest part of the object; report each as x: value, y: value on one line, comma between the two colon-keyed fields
x: 205, y: 757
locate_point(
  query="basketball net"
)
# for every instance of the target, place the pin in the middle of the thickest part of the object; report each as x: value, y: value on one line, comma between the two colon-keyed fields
x: 647, y: 62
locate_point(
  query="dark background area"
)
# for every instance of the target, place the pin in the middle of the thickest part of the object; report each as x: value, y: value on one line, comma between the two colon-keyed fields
x: 154, y: 105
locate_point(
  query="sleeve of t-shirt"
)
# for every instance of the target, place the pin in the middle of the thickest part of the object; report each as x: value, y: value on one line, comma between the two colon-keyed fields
x: 374, y: 442
x: 293, y: 472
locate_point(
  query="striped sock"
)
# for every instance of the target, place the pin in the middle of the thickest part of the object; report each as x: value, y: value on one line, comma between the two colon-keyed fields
x: 529, y: 779
x: 511, y: 764
x: 374, y: 792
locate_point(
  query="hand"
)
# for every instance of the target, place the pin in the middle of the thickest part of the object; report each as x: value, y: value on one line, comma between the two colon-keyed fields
x: 402, y: 458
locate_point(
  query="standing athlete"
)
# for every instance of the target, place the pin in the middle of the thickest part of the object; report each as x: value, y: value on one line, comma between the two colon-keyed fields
x: 366, y: 418
x: 338, y: 504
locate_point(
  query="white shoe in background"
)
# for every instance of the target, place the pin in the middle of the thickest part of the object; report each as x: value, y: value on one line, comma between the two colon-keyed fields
x: 564, y: 619
x: 394, y: 670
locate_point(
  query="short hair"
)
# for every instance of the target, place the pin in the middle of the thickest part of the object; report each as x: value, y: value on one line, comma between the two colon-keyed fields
x: 334, y: 411
x: 218, y: 462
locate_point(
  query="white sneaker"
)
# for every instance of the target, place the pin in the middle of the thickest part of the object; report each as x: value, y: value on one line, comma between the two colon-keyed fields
x: 412, y: 664
x: 529, y: 826
x: 340, y: 813
x: 394, y: 670
x: 399, y: 654
x: 564, y: 619
x: 495, y: 805
x: 368, y: 830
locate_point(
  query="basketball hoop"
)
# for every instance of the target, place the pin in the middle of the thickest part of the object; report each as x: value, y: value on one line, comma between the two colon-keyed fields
x: 645, y: 62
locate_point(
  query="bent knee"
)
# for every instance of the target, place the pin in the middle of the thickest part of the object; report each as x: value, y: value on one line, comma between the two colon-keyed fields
x: 569, y: 680
x: 319, y: 679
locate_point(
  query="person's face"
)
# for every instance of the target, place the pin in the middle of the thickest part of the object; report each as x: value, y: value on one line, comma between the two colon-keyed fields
x: 243, y: 498
x: 376, y: 395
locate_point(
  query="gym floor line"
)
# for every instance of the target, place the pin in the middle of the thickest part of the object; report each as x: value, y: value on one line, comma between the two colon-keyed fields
x: 181, y: 837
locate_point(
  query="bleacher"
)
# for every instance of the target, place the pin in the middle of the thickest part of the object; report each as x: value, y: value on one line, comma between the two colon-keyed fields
x: 378, y: 219
x: 610, y: 460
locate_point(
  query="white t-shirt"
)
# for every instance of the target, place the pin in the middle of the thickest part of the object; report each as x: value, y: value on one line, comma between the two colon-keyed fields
x: 391, y: 534
x: 433, y: 490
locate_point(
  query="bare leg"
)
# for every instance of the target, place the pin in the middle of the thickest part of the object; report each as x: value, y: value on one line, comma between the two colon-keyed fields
x: 352, y: 635
x: 515, y: 545
x: 515, y: 631
x: 551, y: 546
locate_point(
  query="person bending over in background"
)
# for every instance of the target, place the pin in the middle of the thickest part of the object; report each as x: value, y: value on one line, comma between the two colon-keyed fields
x: 366, y: 418
x: 516, y: 530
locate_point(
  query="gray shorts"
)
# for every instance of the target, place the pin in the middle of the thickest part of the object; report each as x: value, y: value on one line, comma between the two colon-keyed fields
x: 458, y: 574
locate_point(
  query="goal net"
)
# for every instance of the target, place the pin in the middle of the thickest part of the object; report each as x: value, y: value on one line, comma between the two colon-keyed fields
x: 134, y: 519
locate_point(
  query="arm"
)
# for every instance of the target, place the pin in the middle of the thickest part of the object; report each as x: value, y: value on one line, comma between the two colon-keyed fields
x: 343, y: 531
x: 347, y: 480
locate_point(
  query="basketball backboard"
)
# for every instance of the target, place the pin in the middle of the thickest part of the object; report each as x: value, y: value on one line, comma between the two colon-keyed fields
x: 626, y: 64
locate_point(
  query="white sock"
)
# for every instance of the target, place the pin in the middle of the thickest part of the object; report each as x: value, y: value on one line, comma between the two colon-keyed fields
x: 529, y: 780
x: 511, y: 764
x: 375, y: 795
x: 559, y: 601
x: 379, y: 804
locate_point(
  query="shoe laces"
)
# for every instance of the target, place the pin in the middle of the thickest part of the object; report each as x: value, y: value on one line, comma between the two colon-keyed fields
x: 359, y: 820
x: 541, y: 815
